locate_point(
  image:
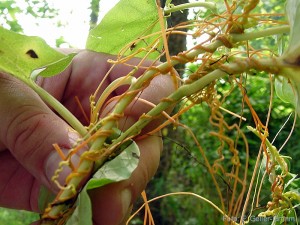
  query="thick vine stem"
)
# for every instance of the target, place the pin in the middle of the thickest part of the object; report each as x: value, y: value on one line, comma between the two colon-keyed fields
x: 259, y: 34
x: 61, y: 204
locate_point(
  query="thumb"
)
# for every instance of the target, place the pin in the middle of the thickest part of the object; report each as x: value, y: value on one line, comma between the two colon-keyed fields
x: 29, y: 129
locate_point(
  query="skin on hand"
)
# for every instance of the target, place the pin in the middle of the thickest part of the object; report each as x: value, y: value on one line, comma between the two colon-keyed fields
x: 29, y: 128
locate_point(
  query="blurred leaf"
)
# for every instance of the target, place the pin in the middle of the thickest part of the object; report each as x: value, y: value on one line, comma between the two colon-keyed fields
x: 280, y: 43
x: 293, y: 183
x: 45, y: 196
x: 11, y: 10
x: 17, y: 217
x: 59, y: 42
x: 289, y: 87
x: 118, y: 169
x: 292, y: 56
x: 279, y: 218
x: 293, y: 12
x: 284, y: 90
x: 126, y: 25
x: 21, y: 54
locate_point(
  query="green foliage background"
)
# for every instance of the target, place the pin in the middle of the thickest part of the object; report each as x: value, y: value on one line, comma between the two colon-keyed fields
x: 185, y: 170
x: 16, y: 217
x: 182, y: 167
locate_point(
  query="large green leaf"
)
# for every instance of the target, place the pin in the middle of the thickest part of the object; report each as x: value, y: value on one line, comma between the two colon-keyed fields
x: 21, y: 54
x: 118, y: 169
x: 126, y: 25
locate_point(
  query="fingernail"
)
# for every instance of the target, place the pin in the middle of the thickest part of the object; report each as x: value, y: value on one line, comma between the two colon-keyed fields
x: 52, y: 165
x: 73, y: 137
x: 126, y: 204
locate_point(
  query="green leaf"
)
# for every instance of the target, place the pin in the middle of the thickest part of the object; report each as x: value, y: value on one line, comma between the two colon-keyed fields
x: 292, y: 183
x: 53, y: 68
x: 284, y: 90
x: 21, y: 54
x: 293, y: 12
x: 289, y: 87
x: 291, y: 59
x: 118, y: 169
x: 278, y: 218
x: 45, y: 196
x: 127, y: 24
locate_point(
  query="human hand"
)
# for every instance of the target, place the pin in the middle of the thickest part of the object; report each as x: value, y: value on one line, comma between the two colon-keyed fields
x: 29, y: 128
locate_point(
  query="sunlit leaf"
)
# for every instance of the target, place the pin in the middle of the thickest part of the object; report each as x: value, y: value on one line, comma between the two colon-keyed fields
x: 118, y: 169
x: 20, y: 54
x: 127, y: 24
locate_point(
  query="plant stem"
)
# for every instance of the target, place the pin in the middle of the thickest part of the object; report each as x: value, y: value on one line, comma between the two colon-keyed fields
x: 170, y: 9
x: 189, y: 89
x: 275, y: 156
x: 225, y: 217
x: 60, y: 109
x: 259, y: 34
x: 181, y: 92
x: 111, y: 87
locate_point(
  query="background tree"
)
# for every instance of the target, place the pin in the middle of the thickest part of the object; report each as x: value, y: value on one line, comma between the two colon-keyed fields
x: 95, y: 7
x: 10, y: 9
